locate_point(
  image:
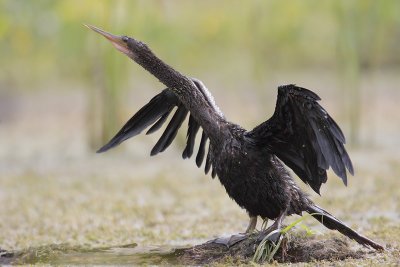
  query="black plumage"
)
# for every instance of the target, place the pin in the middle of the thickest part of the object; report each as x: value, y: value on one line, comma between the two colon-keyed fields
x: 301, y: 134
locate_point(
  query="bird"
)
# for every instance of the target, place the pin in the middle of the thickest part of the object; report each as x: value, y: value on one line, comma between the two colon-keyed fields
x: 250, y: 164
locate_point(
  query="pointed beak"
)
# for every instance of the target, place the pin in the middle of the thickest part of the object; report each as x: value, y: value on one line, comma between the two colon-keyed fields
x: 117, y: 41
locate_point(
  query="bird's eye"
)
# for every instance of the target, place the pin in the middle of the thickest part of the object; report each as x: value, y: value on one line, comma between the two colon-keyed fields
x: 125, y: 39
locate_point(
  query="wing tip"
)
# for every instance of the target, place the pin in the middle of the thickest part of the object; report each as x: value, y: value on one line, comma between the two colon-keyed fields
x: 101, y: 150
x: 304, y: 91
x: 106, y: 147
x: 186, y: 154
x: 199, y: 161
x: 350, y: 168
x: 316, y: 188
x: 344, y: 179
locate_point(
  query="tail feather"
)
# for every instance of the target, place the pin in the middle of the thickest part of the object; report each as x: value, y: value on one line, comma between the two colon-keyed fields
x: 329, y: 221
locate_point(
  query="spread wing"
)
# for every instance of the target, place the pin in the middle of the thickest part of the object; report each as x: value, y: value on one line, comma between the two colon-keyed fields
x: 303, y: 135
x: 155, y: 114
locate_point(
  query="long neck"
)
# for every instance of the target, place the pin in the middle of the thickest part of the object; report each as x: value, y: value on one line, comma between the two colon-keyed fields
x: 194, y: 100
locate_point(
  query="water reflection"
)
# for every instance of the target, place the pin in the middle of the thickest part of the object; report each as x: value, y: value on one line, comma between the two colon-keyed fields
x: 119, y: 255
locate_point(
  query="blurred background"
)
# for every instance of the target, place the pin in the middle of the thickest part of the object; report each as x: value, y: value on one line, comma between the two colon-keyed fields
x: 241, y: 52
x: 64, y: 91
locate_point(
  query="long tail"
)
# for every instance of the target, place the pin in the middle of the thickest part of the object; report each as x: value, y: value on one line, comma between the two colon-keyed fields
x: 329, y: 221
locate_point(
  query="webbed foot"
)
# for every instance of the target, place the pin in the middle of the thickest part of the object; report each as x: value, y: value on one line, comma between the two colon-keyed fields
x: 230, y: 241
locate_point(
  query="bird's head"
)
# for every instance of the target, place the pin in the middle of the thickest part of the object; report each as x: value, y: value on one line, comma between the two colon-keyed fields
x: 127, y: 45
x: 141, y: 54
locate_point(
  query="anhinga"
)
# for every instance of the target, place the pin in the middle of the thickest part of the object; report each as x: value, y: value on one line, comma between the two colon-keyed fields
x: 300, y: 133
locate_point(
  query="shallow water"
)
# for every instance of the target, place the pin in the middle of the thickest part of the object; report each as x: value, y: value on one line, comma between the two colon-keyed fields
x: 120, y: 255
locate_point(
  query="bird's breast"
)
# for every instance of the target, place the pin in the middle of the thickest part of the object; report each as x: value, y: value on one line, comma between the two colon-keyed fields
x: 251, y: 179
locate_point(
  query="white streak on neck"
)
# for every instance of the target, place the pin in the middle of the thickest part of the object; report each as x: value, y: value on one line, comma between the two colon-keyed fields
x: 209, y: 98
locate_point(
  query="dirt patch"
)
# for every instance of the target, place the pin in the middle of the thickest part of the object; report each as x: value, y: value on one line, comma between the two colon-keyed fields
x: 296, y: 248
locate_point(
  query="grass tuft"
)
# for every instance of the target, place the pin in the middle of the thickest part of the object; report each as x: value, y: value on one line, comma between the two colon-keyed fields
x: 267, y: 249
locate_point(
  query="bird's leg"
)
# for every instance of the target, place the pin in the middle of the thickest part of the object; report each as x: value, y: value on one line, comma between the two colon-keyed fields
x: 264, y: 224
x: 252, y: 225
x: 278, y: 222
x: 276, y: 226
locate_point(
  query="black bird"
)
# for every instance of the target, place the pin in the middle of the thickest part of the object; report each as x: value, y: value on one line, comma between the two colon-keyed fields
x: 300, y: 133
